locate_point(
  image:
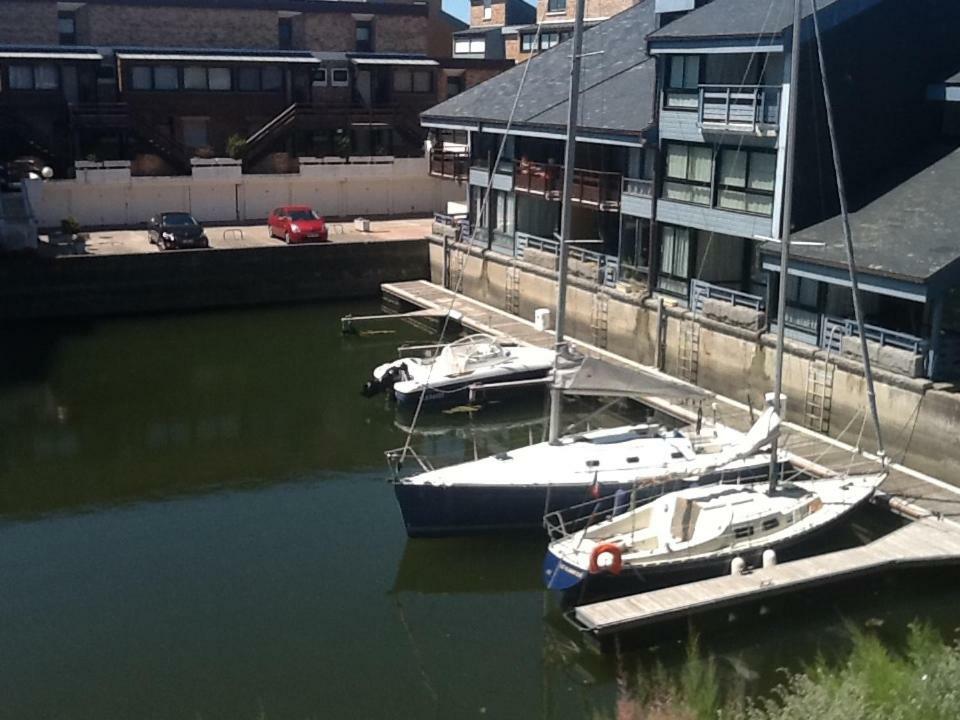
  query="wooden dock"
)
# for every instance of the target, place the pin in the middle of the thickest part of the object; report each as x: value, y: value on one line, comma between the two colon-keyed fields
x: 932, y: 538
x: 923, y: 542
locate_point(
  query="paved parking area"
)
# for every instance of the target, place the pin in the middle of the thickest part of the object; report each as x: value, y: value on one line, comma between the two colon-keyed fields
x: 118, y: 242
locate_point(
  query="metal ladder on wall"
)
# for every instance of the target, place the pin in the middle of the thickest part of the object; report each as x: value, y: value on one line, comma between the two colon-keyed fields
x: 689, y: 358
x: 599, y: 319
x: 512, y: 294
x: 818, y: 397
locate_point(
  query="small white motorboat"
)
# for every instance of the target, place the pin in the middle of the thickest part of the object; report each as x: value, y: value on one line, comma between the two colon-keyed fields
x: 703, y: 527
x: 475, y: 360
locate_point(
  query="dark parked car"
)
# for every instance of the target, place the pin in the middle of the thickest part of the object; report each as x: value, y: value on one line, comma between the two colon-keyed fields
x: 297, y: 224
x: 172, y: 230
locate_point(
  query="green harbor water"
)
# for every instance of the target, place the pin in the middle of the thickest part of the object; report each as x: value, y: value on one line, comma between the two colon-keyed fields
x: 195, y: 523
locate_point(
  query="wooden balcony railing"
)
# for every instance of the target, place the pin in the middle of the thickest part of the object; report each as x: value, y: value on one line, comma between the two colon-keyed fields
x: 589, y: 187
x: 750, y: 108
x: 451, y: 165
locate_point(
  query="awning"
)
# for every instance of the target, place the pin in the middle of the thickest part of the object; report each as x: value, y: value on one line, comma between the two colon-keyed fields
x: 41, y: 55
x: 596, y: 377
x: 180, y: 57
x: 394, y: 61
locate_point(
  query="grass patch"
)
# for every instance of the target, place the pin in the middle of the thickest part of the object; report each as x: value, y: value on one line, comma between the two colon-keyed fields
x: 873, y: 683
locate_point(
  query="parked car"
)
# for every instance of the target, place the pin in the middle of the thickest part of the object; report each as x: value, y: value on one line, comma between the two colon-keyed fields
x: 174, y: 230
x: 297, y: 224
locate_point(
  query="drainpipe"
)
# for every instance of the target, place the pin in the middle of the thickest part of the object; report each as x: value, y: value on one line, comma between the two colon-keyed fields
x: 653, y: 258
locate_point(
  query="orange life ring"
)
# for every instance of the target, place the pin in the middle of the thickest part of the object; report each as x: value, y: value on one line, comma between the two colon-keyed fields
x: 606, y: 549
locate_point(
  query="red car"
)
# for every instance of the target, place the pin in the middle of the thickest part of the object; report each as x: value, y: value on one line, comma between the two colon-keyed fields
x: 297, y: 224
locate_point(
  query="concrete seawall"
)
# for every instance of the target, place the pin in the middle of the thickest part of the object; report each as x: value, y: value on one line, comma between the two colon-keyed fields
x: 37, y: 287
x: 921, y: 420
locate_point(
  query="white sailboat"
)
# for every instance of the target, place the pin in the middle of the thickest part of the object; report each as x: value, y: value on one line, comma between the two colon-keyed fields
x: 706, y: 527
x: 448, y: 375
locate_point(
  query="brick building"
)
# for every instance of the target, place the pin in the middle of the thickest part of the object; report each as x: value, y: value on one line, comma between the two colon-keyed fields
x: 159, y: 81
x: 515, y: 30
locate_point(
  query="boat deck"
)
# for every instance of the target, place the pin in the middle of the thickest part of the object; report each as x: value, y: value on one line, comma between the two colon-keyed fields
x: 932, y: 538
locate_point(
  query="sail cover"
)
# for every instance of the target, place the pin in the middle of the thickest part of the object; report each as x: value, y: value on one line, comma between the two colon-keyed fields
x: 597, y: 377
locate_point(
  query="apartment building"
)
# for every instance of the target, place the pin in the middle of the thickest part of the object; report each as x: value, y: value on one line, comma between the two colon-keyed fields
x: 679, y: 178
x: 160, y: 81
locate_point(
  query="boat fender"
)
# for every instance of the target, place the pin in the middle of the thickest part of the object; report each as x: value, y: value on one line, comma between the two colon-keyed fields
x: 616, y: 562
x: 769, y: 557
x: 738, y: 566
x: 371, y: 388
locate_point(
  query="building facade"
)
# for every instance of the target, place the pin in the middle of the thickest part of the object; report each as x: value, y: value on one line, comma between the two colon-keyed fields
x: 160, y: 81
x: 679, y: 181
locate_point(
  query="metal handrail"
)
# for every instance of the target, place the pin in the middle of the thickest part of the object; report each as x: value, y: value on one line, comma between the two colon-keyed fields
x: 738, y: 105
x: 700, y: 291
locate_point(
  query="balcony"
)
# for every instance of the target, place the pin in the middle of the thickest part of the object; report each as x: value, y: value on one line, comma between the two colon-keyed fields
x: 452, y: 165
x: 739, y: 108
x: 590, y: 187
x: 637, y: 197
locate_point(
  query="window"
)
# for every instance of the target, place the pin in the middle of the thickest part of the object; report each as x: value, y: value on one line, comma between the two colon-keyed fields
x: 744, y: 531
x: 248, y: 79
x: 271, y: 78
x: 454, y: 85
x: 526, y: 42
x: 689, y: 173
x: 165, y: 77
x: 675, y: 254
x: 470, y: 45
x: 339, y: 77
x: 683, y: 81
x: 487, y: 9
x: 285, y: 33
x: 771, y: 523
x: 67, y: 27
x: 478, y: 45
x: 141, y: 78
x: 364, y: 36
x: 219, y: 78
x: 34, y: 77
x: 194, y: 132
x: 419, y: 81
x: 556, y: 5
x: 320, y: 76
x: 747, y: 179
x: 503, y: 212
x: 548, y: 40
x: 194, y: 78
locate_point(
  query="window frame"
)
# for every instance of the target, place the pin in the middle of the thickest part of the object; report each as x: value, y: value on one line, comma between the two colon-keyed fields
x: 67, y: 38
x: 344, y: 82
x: 679, y: 97
x: 687, y: 180
x: 556, y: 6
x: 528, y: 42
x: 284, y: 33
x: 668, y: 280
x: 747, y: 190
x: 365, y: 45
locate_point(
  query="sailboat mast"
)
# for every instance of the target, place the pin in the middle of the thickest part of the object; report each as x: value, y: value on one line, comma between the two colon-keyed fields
x: 569, y: 160
x: 785, y: 230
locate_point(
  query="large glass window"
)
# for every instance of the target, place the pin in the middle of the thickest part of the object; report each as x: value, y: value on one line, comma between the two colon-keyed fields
x: 556, y: 5
x: 405, y: 80
x: 284, y: 33
x: 195, y: 78
x: 675, y: 254
x: 526, y: 41
x: 34, y: 77
x: 747, y: 180
x: 683, y: 81
x: 689, y: 173
x: 248, y: 79
x: 272, y: 78
x: 219, y: 78
x: 634, y: 246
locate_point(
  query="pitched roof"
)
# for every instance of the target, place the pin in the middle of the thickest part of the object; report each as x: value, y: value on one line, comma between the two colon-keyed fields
x: 911, y: 231
x: 741, y: 18
x: 616, y: 85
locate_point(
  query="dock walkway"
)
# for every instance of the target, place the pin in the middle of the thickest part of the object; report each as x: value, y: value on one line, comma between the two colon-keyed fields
x: 924, y: 542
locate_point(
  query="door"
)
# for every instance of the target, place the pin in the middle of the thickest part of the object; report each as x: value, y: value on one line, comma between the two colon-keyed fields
x: 365, y: 87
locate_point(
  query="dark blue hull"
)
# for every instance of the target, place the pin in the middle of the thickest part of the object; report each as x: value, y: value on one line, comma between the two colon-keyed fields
x: 443, y: 510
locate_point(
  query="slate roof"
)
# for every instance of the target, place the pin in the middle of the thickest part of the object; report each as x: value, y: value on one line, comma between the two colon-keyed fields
x: 616, y: 86
x: 739, y: 18
x: 911, y: 231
